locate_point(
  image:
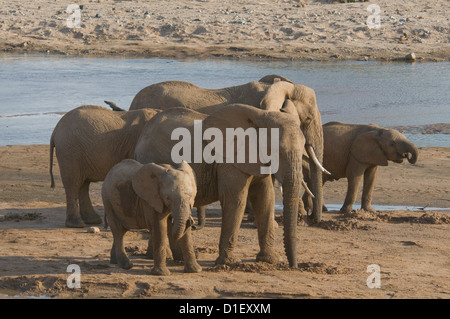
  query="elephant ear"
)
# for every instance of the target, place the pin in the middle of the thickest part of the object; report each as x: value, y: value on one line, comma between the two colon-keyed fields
x: 235, y: 117
x: 146, y: 185
x: 366, y: 149
x: 273, y: 78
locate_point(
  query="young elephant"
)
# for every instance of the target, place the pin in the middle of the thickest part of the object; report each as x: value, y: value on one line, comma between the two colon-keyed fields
x: 89, y: 141
x: 354, y: 152
x: 137, y: 196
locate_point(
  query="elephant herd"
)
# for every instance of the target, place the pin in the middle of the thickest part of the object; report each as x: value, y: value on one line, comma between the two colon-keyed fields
x: 132, y: 152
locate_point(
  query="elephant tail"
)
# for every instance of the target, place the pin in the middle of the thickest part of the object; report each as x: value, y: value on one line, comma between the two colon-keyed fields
x: 52, y: 147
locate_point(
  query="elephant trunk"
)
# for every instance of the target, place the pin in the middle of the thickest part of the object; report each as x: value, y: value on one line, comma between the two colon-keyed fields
x: 410, y: 148
x: 291, y: 196
x: 182, y: 220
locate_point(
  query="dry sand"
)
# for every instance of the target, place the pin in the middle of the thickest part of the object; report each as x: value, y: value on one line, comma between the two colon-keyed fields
x: 411, y: 248
x: 284, y: 29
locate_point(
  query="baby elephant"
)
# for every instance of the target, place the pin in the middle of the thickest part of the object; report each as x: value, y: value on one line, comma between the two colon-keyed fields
x: 354, y: 151
x: 137, y: 196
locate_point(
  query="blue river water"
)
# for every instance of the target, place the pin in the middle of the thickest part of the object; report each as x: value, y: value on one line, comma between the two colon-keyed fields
x: 36, y: 90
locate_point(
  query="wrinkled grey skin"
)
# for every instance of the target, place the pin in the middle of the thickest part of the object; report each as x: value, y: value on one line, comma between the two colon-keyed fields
x: 230, y: 183
x: 354, y: 152
x: 89, y: 141
x: 137, y: 196
x: 269, y: 93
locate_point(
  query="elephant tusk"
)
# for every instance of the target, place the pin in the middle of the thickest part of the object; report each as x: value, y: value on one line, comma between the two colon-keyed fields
x: 316, y: 161
x: 307, y: 189
x: 191, y: 221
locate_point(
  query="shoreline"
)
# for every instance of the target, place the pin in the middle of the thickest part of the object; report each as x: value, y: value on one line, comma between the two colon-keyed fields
x: 286, y: 30
x: 220, y: 53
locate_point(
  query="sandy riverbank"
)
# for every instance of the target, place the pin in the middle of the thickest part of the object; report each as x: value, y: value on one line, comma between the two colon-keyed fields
x: 305, y: 30
x: 410, y: 247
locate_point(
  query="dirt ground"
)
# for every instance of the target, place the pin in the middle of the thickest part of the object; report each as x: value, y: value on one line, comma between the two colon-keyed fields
x: 410, y: 247
x: 280, y: 29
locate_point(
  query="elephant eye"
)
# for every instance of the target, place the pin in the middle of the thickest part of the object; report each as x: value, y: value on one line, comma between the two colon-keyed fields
x: 306, y: 122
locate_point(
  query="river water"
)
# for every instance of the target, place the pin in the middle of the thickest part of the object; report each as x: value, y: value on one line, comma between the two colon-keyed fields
x: 36, y: 90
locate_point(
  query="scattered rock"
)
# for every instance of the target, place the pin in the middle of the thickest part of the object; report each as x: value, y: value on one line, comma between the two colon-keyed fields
x: 410, y: 57
x: 200, y: 30
x: 93, y: 230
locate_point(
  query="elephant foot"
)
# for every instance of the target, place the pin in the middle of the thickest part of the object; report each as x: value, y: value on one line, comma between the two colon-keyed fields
x: 229, y: 260
x: 346, y: 209
x: 91, y: 218
x: 311, y: 219
x: 125, y: 264
x: 369, y: 208
x: 73, y: 222
x: 192, y: 268
x: 160, y: 271
x: 268, y: 257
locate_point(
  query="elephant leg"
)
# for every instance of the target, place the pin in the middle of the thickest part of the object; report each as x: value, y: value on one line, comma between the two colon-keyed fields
x: 233, y: 189
x: 72, y: 189
x: 370, y: 176
x: 87, y: 211
x: 149, y: 252
x: 187, y: 248
x: 201, y: 218
x: 118, y: 254
x: 355, y: 173
x: 262, y: 197
x: 324, y: 207
x: 159, y: 243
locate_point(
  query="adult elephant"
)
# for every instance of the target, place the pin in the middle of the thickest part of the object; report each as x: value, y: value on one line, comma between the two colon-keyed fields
x: 269, y: 93
x: 89, y: 141
x: 229, y: 180
x: 354, y: 151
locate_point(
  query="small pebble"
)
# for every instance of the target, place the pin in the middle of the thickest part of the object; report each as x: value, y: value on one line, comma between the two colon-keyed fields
x: 410, y: 57
x: 93, y: 230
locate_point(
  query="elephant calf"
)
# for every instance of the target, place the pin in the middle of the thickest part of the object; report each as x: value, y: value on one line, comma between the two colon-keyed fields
x: 137, y: 196
x: 354, y: 152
